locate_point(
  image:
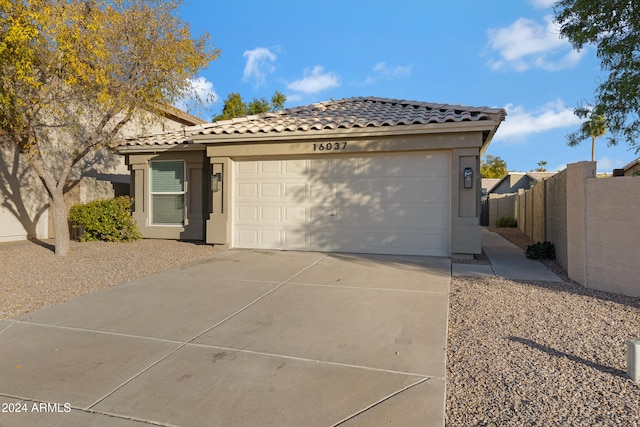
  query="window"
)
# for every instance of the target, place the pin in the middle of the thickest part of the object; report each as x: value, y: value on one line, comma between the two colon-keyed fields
x: 167, y: 192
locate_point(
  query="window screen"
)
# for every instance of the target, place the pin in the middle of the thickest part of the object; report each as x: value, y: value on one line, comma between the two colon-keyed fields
x: 167, y: 192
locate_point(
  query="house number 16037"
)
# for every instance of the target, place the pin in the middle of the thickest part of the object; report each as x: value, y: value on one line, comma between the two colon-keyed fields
x: 329, y: 146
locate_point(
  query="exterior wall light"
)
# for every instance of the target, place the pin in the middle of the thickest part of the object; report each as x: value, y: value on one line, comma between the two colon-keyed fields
x: 216, y: 179
x: 468, y: 178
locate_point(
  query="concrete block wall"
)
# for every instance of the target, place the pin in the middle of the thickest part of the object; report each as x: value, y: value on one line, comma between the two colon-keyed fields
x: 500, y: 205
x: 613, y: 234
x: 593, y: 223
x: 556, y: 218
x: 538, y: 223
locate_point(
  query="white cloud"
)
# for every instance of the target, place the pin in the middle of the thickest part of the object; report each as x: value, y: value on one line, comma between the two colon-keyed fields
x: 315, y: 80
x: 528, y: 44
x: 543, y: 4
x: 202, y: 90
x: 607, y: 164
x: 521, y: 123
x: 381, y: 71
x: 259, y: 64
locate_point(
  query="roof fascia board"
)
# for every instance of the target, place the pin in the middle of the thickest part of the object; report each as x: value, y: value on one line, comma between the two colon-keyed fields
x: 132, y: 149
x: 430, y: 128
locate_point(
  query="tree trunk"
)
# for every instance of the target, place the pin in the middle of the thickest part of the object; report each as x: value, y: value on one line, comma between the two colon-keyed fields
x: 60, y: 214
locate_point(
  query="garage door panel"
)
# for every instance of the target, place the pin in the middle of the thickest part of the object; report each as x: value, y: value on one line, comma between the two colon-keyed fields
x: 271, y: 190
x: 435, y: 215
x: 271, y: 167
x: 295, y: 192
x: 394, y: 215
x: 246, y: 214
x: 271, y: 214
x: 295, y: 167
x: 296, y: 239
x: 249, y: 190
x: 321, y: 214
x: 296, y: 214
x: 318, y: 168
x: 346, y: 168
x: 396, y: 204
x: 389, y: 167
x: 322, y: 192
x: 246, y: 237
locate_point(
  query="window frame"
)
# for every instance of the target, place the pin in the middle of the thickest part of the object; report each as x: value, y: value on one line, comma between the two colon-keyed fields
x: 182, y: 193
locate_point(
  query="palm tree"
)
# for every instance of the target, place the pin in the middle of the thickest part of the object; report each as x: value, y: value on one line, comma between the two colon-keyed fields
x: 594, y: 127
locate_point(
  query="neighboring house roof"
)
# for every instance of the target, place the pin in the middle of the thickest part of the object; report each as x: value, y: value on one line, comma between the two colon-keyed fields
x: 489, y: 183
x: 539, y: 176
x: 177, y: 115
x: 348, y: 115
x: 534, y: 176
x: 630, y: 165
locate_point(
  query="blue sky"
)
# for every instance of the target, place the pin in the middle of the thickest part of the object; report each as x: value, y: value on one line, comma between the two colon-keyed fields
x: 498, y: 53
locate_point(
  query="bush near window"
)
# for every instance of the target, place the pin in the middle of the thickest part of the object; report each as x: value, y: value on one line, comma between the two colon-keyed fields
x: 541, y: 250
x: 507, y: 221
x: 106, y: 220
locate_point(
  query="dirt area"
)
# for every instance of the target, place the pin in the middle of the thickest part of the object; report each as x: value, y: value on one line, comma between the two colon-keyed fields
x: 514, y: 235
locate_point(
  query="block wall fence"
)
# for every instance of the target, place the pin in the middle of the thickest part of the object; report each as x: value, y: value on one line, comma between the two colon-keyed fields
x: 594, y: 224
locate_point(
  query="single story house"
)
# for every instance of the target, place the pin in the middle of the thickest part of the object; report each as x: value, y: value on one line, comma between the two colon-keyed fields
x: 363, y: 175
x: 514, y: 181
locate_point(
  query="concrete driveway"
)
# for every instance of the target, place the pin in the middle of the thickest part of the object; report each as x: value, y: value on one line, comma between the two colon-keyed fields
x: 246, y: 338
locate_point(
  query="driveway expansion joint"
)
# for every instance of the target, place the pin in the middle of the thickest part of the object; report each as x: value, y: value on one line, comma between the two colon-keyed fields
x: 11, y: 323
x: 183, y: 344
x: 384, y: 399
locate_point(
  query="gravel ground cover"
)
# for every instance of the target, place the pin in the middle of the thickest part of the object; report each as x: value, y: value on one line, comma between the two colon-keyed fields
x: 33, y: 277
x: 539, y: 353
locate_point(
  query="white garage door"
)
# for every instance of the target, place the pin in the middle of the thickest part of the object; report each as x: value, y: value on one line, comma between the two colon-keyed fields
x: 386, y: 204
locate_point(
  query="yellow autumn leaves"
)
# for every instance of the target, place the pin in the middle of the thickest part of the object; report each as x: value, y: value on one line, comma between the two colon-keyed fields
x: 120, y: 52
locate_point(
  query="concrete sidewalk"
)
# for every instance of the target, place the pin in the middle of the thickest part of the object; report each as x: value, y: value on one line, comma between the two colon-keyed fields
x: 246, y: 338
x: 507, y: 260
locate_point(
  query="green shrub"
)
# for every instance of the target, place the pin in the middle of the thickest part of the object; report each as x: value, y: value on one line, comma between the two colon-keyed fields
x: 541, y: 250
x: 507, y: 221
x: 106, y: 220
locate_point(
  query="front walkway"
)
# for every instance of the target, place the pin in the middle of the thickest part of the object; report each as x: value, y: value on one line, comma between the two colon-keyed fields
x: 507, y: 260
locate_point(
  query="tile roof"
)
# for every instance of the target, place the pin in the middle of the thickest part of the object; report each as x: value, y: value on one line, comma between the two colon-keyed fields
x: 179, y: 115
x: 349, y: 113
x: 539, y: 176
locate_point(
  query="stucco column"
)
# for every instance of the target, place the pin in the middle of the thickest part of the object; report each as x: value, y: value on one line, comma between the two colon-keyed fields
x: 466, y: 233
x: 577, y: 174
x: 138, y: 193
x: 219, y: 222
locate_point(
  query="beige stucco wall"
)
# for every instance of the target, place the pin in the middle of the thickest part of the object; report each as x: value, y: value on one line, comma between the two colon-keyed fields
x: 466, y: 235
x: 197, y: 176
x: 23, y: 199
x: 613, y: 234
